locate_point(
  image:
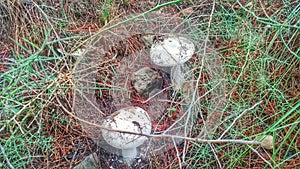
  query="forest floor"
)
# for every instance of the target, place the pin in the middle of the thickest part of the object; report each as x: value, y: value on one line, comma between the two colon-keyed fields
x: 257, y: 42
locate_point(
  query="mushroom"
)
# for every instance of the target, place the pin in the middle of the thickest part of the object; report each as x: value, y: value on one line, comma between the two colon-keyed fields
x: 129, y: 119
x: 173, y: 51
x: 267, y: 142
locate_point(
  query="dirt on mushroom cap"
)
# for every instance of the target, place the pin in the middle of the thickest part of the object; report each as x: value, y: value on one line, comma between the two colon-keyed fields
x: 131, y: 119
x: 171, y: 51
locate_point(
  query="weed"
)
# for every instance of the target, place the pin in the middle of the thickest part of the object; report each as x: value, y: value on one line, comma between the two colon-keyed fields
x: 258, y: 43
x: 106, y: 11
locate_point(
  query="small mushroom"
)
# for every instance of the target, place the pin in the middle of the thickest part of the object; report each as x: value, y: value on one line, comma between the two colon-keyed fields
x: 129, y: 119
x: 267, y: 142
x: 173, y: 51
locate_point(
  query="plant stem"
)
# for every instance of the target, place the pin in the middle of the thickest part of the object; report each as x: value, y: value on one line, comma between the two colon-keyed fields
x: 254, y: 142
x: 127, y: 20
x: 6, y: 159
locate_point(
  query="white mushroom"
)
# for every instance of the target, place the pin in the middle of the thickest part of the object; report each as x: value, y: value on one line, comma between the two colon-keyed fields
x: 173, y: 51
x: 267, y: 142
x: 129, y: 119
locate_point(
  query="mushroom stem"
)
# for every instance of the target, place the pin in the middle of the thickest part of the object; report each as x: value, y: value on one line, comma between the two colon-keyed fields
x: 131, y: 119
x: 129, y: 154
x: 177, y: 76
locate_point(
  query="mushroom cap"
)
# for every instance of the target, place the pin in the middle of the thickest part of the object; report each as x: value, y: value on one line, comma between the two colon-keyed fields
x: 131, y: 119
x: 171, y: 51
x: 267, y: 142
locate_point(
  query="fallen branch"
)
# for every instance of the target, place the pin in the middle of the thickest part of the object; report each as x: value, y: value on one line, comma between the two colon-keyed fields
x: 238, y: 117
x: 248, y: 142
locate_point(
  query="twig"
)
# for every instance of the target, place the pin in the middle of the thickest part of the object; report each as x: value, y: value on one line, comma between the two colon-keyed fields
x: 238, y: 117
x: 28, y: 104
x: 156, y: 94
x: 268, y: 21
x: 177, y: 154
x: 47, y: 20
x: 249, y: 142
x: 6, y: 159
x: 199, y: 76
x: 266, y: 161
x: 92, y: 104
x: 127, y: 20
x: 254, y: 142
x: 216, y: 157
x: 263, y: 8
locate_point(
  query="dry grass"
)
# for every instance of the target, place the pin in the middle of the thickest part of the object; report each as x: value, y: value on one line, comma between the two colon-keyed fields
x: 258, y: 43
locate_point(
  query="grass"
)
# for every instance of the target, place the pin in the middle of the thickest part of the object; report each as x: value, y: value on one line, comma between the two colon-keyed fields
x: 258, y: 44
x: 256, y: 69
x: 25, y: 91
x: 106, y: 12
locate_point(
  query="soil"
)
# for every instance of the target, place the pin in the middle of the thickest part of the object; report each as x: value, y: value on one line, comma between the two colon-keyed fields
x: 72, y: 143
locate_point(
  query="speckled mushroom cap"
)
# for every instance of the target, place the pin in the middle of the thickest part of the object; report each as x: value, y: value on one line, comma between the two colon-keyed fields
x: 131, y: 119
x: 171, y: 51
